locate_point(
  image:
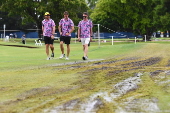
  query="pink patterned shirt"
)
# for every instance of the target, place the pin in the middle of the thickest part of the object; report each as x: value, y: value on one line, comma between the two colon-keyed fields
x: 85, y: 27
x: 48, y: 27
x: 66, y: 26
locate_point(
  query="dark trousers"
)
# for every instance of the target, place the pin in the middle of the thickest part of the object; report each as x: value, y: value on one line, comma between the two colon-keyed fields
x: 23, y: 41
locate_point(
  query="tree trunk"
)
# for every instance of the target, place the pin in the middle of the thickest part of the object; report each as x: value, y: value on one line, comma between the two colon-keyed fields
x: 39, y: 27
x: 148, y: 37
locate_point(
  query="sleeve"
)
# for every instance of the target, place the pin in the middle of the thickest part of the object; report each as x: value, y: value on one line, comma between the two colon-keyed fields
x: 42, y: 23
x: 79, y: 25
x: 53, y: 23
x: 60, y: 23
x: 71, y: 23
x: 91, y: 24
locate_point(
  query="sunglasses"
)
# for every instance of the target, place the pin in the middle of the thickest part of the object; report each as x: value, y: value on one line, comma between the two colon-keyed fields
x: 84, y: 16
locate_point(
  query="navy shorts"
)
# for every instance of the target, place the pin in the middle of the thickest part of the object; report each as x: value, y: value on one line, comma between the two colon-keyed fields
x: 65, y: 39
x: 48, y: 40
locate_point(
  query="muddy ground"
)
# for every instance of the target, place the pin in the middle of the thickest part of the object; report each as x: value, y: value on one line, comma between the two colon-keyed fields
x: 125, y: 85
x: 122, y: 97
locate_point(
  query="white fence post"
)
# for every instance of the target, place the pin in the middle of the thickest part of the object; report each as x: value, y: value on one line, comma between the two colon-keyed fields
x: 4, y: 30
x: 99, y: 33
x: 135, y: 40
x: 112, y: 40
x: 145, y: 38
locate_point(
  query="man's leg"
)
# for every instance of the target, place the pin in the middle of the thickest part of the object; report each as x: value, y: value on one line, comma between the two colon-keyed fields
x: 62, y: 50
x: 68, y: 50
x: 85, y: 43
x: 52, y: 48
x: 47, y: 49
x: 85, y: 50
x: 62, y: 47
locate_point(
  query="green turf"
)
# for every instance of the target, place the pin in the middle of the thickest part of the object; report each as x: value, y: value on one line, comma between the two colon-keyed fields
x: 21, y: 57
x: 30, y: 83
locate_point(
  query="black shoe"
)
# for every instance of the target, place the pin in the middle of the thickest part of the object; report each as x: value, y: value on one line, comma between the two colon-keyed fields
x: 83, y: 58
x: 89, y: 44
x: 52, y: 55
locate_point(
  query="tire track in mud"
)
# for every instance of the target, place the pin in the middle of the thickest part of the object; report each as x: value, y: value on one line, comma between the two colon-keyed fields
x: 135, y: 65
x: 111, y: 66
x: 97, y: 101
x: 122, y: 67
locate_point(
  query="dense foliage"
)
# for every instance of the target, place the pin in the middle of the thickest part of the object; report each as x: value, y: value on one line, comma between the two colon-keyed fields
x: 32, y: 11
x: 138, y: 16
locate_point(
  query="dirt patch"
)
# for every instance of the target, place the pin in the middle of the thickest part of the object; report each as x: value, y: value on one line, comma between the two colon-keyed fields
x: 18, y: 46
x: 147, y: 62
x: 114, y: 61
x: 155, y: 73
x: 135, y: 65
x: 168, y: 65
x: 97, y: 100
x: 33, y: 92
x: 90, y: 105
x: 97, y: 69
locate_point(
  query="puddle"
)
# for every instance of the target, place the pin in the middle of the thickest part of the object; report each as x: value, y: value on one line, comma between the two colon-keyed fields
x: 96, y: 101
x: 141, y: 105
x: 164, y: 82
x: 132, y: 104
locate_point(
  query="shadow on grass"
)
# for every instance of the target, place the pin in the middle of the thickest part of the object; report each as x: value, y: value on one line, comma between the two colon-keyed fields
x: 18, y: 46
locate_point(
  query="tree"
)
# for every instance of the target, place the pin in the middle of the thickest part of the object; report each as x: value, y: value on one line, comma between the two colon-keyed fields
x: 32, y: 11
x: 126, y: 15
x: 162, y: 14
x: 91, y: 3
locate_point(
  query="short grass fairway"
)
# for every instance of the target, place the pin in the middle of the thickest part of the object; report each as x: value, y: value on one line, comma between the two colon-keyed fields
x: 124, y: 77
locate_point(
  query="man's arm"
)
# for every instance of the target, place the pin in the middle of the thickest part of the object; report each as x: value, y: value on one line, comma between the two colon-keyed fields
x: 72, y: 29
x: 78, y: 34
x: 59, y: 29
x: 91, y: 33
x: 53, y: 30
x: 42, y: 29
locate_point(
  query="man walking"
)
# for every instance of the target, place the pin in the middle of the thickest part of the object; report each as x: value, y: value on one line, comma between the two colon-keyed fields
x: 48, y: 29
x: 85, y: 33
x: 66, y: 27
x: 23, y: 38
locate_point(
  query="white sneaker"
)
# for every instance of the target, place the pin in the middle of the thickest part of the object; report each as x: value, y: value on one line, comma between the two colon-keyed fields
x: 67, y: 58
x: 48, y: 58
x: 62, y: 56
